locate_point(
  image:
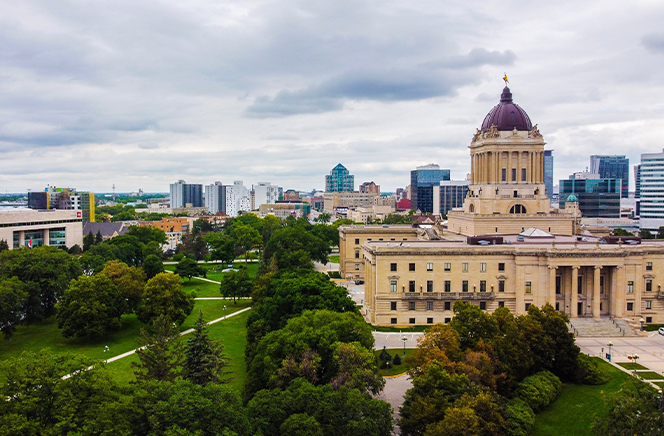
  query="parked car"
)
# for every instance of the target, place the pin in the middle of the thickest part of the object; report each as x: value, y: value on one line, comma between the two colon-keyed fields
x: 359, y: 282
x: 661, y: 330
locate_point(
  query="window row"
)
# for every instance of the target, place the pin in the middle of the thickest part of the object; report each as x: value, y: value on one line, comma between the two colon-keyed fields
x: 447, y: 305
x: 447, y: 267
x: 447, y: 286
x: 357, y: 240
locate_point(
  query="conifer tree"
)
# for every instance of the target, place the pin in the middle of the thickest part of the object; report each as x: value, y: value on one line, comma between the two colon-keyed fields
x: 161, y: 354
x: 204, y: 362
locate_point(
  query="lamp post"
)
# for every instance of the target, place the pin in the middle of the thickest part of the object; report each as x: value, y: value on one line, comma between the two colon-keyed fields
x: 610, y: 345
x: 635, y: 357
x: 404, y: 339
x: 105, y: 350
x: 642, y: 321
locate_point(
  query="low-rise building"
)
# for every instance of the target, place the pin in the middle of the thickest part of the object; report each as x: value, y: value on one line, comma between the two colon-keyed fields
x: 334, y: 200
x: 33, y: 228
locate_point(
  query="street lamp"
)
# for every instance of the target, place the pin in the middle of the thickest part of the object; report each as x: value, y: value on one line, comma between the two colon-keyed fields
x: 634, y: 357
x: 404, y: 339
x: 105, y: 350
x: 610, y: 345
x: 642, y: 321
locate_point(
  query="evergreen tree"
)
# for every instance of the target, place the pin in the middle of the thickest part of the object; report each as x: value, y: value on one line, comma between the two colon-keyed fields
x: 98, y: 238
x: 88, y: 241
x: 204, y: 362
x: 3, y: 245
x: 160, y: 354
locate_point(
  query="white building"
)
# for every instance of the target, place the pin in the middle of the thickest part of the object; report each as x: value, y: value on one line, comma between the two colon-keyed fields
x: 27, y: 227
x: 265, y: 193
x: 237, y: 198
x: 215, y: 198
x: 651, y: 208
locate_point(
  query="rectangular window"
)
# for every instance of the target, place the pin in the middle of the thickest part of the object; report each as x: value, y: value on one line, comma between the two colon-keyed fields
x: 448, y: 267
x: 523, y: 174
x: 630, y: 287
x: 393, y: 305
x: 464, y: 267
x: 482, y: 305
x: 559, y: 285
x: 393, y: 320
x: 357, y: 254
x: 501, y: 285
x: 501, y: 304
x: 648, y: 285
x: 648, y: 319
x: 501, y: 267
x: 411, y: 320
x: 447, y: 320
x: 579, y: 283
x: 393, y: 285
x: 357, y: 241
x: 601, y: 284
x: 429, y: 285
x: 527, y: 306
x: 429, y: 266
x: 393, y: 267
x: 357, y: 267
x: 503, y: 175
x: 448, y: 286
x: 411, y: 305
x: 529, y: 288
x: 630, y: 307
x: 482, y: 267
x: 648, y: 266
x: 448, y: 305
x: 464, y: 286
x: 482, y: 285
x: 429, y: 320
x: 429, y: 305
x: 557, y: 306
x: 411, y: 286
x: 411, y: 267
x: 514, y: 174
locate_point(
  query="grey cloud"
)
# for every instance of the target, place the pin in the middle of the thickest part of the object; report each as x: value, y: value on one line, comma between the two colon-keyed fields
x: 476, y: 57
x: 654, y: 42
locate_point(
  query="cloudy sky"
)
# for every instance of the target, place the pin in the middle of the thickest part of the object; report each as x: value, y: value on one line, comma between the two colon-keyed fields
x: 142, y: 93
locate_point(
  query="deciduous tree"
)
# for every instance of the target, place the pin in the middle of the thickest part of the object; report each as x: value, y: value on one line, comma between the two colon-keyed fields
x: 236, y: 284
x: 129, y: 280
x: 163, y: 295
x: 13, y: 296
x: 152, y: 266
x: 189, y: 268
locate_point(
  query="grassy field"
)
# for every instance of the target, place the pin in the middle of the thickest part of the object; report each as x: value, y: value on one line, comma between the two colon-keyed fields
x: 231, y: 332
x: 631, y: 366
x: 650, y: 375
x: 573, y: 413
x: 396, y: 369
x: 47, y: 334
x: 334, y: 259
x: 201, y: 287
x: 252, y: 269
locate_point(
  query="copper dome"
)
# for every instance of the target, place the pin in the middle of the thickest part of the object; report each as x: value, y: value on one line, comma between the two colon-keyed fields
x: 507, y: 115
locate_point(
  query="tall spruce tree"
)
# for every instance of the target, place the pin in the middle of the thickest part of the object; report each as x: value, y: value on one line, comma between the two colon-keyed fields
x: 161, y: 353
x: 204, y: 362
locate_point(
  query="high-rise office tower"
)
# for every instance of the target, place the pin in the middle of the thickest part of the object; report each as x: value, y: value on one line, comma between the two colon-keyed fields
x: 215, y: 198
x: 183, y: 194
x: 339, y: 180
x: 422, y: 181
x: 651, y: 207
x: 548, y: 173
x: 612, y: 167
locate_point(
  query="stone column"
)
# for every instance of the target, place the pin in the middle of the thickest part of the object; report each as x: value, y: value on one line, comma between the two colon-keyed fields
x: 21, y: 238
x: 575, y: 292
x: 596, y: 294
x: 552, y: 285
x: 618, y: 291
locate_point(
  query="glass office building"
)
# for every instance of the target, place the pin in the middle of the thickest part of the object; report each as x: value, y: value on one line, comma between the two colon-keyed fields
x: 422, y: 181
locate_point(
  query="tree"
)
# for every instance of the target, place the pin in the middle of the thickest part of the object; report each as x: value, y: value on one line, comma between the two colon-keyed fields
x: 152, y: 248
x: 295, y: 247
x: 472, y: 324
x: 99, y: 238
x: 152, y: 266
x: 161, y: 353
x: 129, y: 249
x: 90, y: 307
x: 201, y: 227
x: 12, y: 300
x: 283, y: 355
x: 356, y: 369
x: 646, y: 234
x: 323, y: 218
x: 129, y: 280
x: 660, y: 233
x: 163, y: 295
x: 621, y: 232
x: 189, y: 268
x: 88, y: 241
x: 4, y: 246
x: 194, y: 245
x: 246, y: 238
x: 236, y: 284
x: 204, y: 362
x: 38, y: 400
x: 147, y: 234
x: 50, y: 270
x: 222, y: 246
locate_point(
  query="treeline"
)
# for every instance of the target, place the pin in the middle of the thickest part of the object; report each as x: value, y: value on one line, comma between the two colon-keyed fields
x: 488, y: 374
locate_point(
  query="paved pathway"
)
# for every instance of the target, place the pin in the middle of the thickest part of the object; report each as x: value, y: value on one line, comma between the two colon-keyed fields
x: 395, y: 340
x: 649, y: 349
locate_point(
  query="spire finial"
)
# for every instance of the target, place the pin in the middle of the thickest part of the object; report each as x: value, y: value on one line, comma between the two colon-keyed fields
x: 505, y: 79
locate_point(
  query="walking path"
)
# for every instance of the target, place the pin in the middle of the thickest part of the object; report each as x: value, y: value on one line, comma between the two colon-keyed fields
x: 198, y: 278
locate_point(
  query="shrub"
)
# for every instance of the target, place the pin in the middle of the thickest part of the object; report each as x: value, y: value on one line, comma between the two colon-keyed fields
x: 397, y: 359
x: 539, y: 390
x: 589, y: 373
x: 520, y: 418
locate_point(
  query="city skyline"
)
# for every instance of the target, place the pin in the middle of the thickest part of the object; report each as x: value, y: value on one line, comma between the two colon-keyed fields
x: 141, y: 95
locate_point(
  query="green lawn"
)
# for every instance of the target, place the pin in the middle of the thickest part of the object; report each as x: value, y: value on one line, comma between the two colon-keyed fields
x: 395, y: 369
x: 231, y: 332
x: 334, y: 259
x: 47, y: 334
x: 650, y: 375
x: 631, y: 366
x: 252, y: 269
x: 573, y: 412
x: 201, y: 287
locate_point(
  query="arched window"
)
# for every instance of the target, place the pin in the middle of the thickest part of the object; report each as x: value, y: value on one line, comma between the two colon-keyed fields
x: 518, y: 208
x: 472, y: 208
